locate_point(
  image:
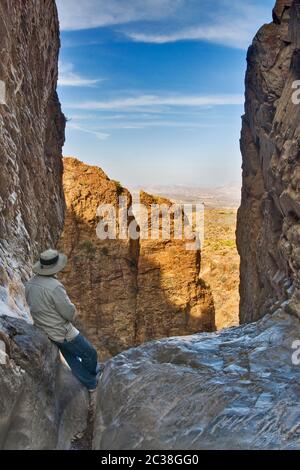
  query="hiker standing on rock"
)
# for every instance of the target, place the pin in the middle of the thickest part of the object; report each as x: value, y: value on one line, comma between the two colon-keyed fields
x: 53, y: 312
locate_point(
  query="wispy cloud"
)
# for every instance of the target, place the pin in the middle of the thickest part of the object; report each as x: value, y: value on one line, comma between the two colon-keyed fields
x: 98, y: 134
x: 230, y: 23
x: 148, y: 124
x: 217, y: 33
x: 148, y: 101
x: 86, y: 14
x: 68, y: 77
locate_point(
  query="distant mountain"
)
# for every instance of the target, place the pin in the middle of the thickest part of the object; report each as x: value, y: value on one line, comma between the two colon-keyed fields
x: 223, y: 196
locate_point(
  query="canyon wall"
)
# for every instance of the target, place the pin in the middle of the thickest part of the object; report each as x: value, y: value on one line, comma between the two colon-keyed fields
x: 268, y: 231
x: 126, y: 291
x: 172, y: 299
x: 101, y: 275
x: 31, y: 138
x: 42, y: 406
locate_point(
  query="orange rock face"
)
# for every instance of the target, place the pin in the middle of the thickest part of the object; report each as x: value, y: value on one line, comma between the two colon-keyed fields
x: 172, y: 300
x: 101, y: 276
x: 126, y: 291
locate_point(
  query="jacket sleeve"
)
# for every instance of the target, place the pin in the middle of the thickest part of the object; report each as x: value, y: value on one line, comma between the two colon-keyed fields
x: 63, y: 304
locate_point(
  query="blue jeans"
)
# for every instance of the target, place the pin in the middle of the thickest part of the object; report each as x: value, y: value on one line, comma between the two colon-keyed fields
x: 81, y: 357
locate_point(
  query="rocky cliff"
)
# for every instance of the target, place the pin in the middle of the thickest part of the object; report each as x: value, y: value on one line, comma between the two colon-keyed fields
x: 101, y: 276
x: 239, y: 388
x: 41, y: 405
x: 126, y: 291
x: 172, y: 299
x: 268, y: 220
x: 31, y: 138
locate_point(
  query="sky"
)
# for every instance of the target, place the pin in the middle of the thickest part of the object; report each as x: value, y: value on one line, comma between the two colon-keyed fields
x: 153, y: 90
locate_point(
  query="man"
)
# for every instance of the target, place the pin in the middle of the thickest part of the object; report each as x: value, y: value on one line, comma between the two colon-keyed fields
x: 53, y: 312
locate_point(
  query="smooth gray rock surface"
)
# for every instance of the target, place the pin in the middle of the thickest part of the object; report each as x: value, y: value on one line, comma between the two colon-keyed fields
x: 237, y: 389
x: 42, y: 405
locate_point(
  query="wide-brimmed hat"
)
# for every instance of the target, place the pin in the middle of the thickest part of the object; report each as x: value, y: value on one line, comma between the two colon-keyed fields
x: 50, y: 262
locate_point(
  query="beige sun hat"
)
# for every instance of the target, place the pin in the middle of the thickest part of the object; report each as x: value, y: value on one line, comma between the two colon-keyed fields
x: 50, y: 263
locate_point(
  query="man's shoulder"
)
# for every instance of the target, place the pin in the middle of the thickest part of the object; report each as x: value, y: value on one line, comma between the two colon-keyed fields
x: 47, y: 282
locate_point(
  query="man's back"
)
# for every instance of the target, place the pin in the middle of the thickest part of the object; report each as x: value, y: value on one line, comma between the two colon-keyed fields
x: 53, y: 312
x: 51, y: 308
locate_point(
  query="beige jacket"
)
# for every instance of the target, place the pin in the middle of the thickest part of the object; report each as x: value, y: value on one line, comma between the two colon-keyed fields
x: 50, y: 307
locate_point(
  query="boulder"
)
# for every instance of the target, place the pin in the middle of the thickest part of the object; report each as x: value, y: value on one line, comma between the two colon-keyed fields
x: 42, y: 405
x: 236, y: 389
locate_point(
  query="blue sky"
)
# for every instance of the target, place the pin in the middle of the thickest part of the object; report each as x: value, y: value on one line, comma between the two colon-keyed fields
x: 153, y: 89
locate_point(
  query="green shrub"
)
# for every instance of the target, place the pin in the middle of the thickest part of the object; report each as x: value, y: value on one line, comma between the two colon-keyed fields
x: 119, y: 188
x: 104, y: 251
x: 88, y: 246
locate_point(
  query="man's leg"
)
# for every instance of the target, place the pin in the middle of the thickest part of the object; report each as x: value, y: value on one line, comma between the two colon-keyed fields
x: 87, y: 353
x: 72, y: 354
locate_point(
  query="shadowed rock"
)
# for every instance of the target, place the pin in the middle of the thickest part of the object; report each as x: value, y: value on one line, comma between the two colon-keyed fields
x: 269, y: 217
x: 42, y: 405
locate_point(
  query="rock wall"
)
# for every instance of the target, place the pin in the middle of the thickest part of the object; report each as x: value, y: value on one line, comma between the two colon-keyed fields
x: 269, y: 218
x: 42, y: 406
x: 31, y: 139
x: 172, y: 299
x: 101, y: 276
x: 126, y: 291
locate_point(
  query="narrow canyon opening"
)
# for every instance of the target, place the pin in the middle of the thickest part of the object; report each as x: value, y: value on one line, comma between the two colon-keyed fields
x: 174, y: 375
